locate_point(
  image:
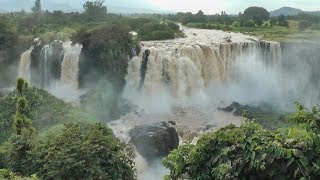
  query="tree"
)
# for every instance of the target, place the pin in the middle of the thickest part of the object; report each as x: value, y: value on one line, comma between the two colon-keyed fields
x: 20, y: 143
x: 257, y: 14
x: 200, y: 17
x: 21, y: 121
x: 95, y: 10
x: 83, y: 151
x: 37, y: 7
x: 105, y: 54
x: 282, y: 21
x: 186, y: 18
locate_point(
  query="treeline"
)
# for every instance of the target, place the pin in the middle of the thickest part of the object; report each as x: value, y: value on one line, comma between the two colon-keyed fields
x: 251, y: 17
x: 307, y: 21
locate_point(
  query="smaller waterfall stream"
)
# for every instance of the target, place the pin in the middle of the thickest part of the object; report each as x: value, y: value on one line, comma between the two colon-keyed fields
x: 56, y: 69
x: 70, y: 65
x: 45, y: 65
x: 25, y: 63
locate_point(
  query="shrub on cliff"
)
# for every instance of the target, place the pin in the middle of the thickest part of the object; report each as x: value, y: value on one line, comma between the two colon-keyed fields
x: 252, y: 151
x: 82, y: 151
x: 159, y: 31
x: 104, y: 54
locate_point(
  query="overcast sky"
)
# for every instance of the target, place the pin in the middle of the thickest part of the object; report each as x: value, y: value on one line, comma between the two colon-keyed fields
x: 208, y: 6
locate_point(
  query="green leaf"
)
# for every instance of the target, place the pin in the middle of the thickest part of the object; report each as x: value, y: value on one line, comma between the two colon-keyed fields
x: 304, y: 160
x: 290, y: 162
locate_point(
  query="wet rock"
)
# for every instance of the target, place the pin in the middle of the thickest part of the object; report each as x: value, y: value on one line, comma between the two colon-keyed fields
x: 156, y: 140
x: 234, y: 106
x: 172, y: 122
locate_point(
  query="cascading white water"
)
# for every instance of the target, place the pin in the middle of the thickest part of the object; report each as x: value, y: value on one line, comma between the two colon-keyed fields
x: 57, y: 70
x: 25, y: 63
x: 178, y: 74
x: 46, y: 54
x: 70, y: 65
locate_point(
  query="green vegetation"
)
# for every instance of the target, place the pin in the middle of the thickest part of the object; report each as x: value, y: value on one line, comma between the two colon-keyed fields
x: 95, y: 10
x: 265, y: 115
x: 42, y: 136
x: 6, y: 174
x: 255, y: 21
x: 18, y: 29
x: 251, y: 151
x: 45, y: 136
x: 105, y: 53
x: 82, y: 151
x: 257, y: 14
x: 159, y: 31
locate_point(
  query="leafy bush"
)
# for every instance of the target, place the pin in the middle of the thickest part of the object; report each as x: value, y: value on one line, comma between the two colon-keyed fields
x: 308, y: 118
x: 248, y: 151
x: 104, y: 54
x: 159, y: 31
x: 6, y: 174
x: 82, y: 151
x: 248, y: 23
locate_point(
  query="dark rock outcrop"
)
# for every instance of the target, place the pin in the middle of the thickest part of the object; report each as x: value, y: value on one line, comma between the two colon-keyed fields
x: 156, y: 140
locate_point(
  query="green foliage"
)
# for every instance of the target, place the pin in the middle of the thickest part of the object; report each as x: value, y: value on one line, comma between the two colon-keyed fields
x: 76, y: 151
x: 257, y: 14
x: 308, y: 118
x: 6, y: 174
x: 159, y: 31
x: 37, y: 7
x: 8, y: 52
x: 282, y: 21
x: 105, y: 53
x: 16, y: 152
x: 249, y: 23
x: 44, y: 109
x: 20, y: 85
x: 82, y: 151
x: 137, y: 23
x: 248, y: 151
x: 95, y: 10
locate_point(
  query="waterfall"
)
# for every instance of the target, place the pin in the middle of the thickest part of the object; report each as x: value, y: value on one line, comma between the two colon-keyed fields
x: 55, y: 64
x: 45, y: 65
x: 182, y: 72
x: 70, y: 65
x: 25, y: 63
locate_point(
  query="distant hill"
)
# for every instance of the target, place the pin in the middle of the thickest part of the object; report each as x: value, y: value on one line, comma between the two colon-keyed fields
x: 289, y: 11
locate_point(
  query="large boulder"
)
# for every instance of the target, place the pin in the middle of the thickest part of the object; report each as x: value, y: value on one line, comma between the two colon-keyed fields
x: 156, y: 140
